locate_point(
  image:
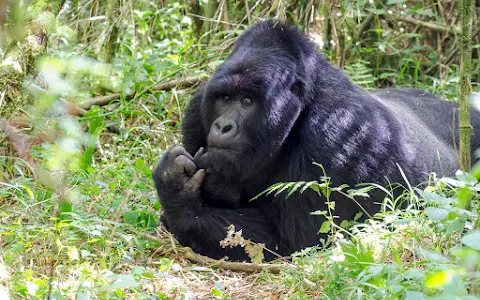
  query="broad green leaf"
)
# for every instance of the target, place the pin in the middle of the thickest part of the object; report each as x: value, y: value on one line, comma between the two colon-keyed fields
x: 435, y: 213
x: 434, y: 198
x: 121, y: 281
x: 456, y: 225
x: 431, y: 255
x: 130, y: 217
x: 466, y: 177
x: 472, y: 239
x: 411, y: 295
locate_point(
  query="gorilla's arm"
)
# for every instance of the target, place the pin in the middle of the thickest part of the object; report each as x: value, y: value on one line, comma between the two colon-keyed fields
x: 200, y: 226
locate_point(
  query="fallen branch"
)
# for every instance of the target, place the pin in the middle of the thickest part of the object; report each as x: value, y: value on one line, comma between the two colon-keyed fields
x: 429, y: 25
x: 165, y: 86
x: 188, y: 254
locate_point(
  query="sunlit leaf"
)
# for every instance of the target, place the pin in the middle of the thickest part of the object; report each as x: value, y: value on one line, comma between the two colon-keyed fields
x: 72, y: 253
x: 325, y: 228
x: 438, y: 279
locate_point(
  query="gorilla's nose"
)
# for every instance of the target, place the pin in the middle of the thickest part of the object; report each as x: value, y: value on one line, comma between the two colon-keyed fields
x: 223, y: 131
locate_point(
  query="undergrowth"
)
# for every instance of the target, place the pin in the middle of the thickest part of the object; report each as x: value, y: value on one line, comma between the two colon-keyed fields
x: 75, y: 219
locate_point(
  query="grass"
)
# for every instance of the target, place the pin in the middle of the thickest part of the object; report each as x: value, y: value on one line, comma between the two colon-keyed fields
x: 73, y: 219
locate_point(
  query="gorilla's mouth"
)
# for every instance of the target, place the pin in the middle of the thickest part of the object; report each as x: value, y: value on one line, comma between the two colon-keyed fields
x: 222, y: 149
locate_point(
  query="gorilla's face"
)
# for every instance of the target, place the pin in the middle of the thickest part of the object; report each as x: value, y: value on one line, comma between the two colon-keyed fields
x: 227, y: 130
x: 249, y: 108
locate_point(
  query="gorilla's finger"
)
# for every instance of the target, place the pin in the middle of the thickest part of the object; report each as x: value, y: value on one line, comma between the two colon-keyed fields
x: 199, y: 153
x: 203, y: 161
x: 184, y: 164
x: 179, y: 150
x: 195, y: 182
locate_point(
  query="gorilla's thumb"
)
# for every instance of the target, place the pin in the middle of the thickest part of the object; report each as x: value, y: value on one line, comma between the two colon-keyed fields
x: 196, y: 181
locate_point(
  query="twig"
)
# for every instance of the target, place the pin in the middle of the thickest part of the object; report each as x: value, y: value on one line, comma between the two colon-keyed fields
x: 364, y: 25
x: 165, y: 86
x: 232, y: 266
x: 187, y: 253
x: 429, y: 25
x: 476, y: 32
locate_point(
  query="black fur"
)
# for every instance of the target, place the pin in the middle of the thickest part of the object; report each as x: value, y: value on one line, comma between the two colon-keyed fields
x: 303, y: 110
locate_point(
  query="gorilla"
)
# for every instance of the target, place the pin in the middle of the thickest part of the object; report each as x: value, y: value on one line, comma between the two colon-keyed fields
x: 273, y: 108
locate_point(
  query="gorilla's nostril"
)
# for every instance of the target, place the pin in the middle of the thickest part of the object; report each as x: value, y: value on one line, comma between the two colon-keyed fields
x: 227, y: 128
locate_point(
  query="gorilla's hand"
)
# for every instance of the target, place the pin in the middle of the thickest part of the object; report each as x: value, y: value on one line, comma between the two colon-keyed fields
x: 177, y: 175
x: 202, y: 158
x: 216, y: 190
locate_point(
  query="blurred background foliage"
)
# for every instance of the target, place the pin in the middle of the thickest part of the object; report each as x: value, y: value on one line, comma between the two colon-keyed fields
x: 92, y: 90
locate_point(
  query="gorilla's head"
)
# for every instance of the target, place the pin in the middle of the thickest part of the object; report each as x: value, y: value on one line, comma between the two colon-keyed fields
x: 253, y: 100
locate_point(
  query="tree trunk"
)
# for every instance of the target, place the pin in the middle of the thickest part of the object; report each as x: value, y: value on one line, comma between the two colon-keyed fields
x: 465, y: 129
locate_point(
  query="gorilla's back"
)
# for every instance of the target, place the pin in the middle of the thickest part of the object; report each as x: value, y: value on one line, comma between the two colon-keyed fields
x: 439, y: 115
x: 418, y: 110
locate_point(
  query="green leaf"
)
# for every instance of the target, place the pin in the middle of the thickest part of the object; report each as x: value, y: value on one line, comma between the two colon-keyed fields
x: 466, y: 177
x: 358, y: 216
x: 472, y: 239
x: 434, y: 198
x: 217, y: 293
x: 140, y: 165
x: 411, y: 295
x: 72, y: 253
x: 325, y: 228
x: 295, y: 188
x: 435, y: 213
x: 130, y: 217
x: 86, y: 158
x: 95, y: 119
x: 438, y: 279
x: 456, y: 225
x: 284, y: 187
x: 308, y: 185
x: 431, y: 255
x: 425, y: 12
x: 121, y: 281
x: 346, y: 224
x: 376, y: 11
x: 388, y: 74
x: 64, y: 206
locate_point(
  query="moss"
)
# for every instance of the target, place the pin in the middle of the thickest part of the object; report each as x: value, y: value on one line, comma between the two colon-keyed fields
x: 13, y: 68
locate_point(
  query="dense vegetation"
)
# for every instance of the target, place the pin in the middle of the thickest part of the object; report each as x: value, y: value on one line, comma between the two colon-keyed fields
x: 93, y: 91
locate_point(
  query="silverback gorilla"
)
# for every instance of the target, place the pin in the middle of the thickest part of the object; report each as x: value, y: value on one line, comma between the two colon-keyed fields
x: 269, y: 111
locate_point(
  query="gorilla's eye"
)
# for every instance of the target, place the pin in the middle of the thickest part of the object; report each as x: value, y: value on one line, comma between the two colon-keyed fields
x: 226, y: 98
x: 247, y: 101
